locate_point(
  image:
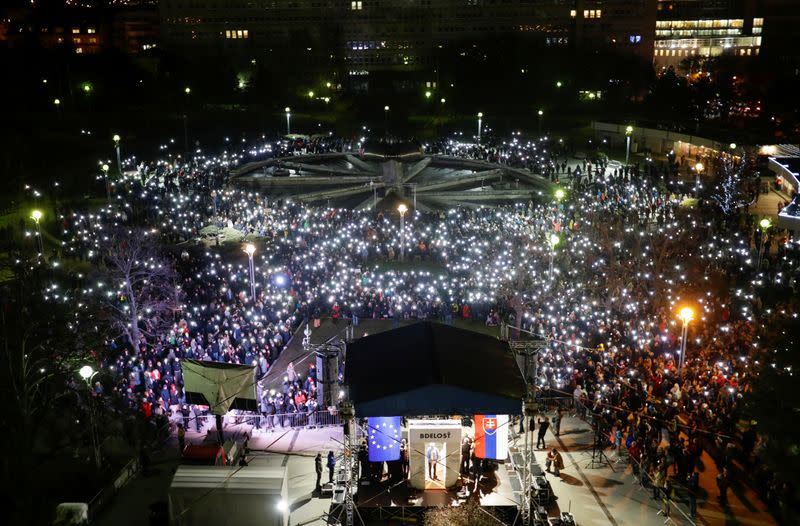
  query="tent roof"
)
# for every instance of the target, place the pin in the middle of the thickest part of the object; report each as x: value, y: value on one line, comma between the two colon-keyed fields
x: 259, y: 480
x: 429, y: 368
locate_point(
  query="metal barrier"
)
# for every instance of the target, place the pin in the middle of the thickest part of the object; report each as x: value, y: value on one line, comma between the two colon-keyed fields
x: 321, y: 418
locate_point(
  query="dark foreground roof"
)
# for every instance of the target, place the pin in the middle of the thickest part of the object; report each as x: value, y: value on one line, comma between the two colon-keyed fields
x: 432, y: 369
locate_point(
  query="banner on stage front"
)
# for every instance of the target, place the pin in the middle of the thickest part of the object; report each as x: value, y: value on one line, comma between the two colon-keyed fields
x: 384, y: 438
x: 491, y: 436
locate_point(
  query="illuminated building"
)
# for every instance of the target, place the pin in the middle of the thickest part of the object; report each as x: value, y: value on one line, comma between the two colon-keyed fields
x: 687, y: 29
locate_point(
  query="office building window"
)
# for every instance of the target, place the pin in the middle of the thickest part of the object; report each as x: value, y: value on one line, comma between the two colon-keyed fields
x: 572, y: 13
x: 635, y: 39
x: 91, y: 31
x: 592, y: 13
x: 237, y: 33
x: 356, y: 5
x: 76, y: 30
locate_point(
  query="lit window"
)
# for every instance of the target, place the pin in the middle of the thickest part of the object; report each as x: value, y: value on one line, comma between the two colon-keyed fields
x: 78, y: 50
x: 599, y: 14
x: 76, y: 30
x: 356, y: 6
x: 90, y: 31
x: 572, y: 13
x: 76, y: 40
x: 246, y: 33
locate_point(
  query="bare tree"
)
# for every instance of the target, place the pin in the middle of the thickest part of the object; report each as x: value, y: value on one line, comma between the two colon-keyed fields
x: 137, y: 287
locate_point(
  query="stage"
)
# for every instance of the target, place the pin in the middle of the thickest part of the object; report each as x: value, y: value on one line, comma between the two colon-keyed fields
x: 497, y: 492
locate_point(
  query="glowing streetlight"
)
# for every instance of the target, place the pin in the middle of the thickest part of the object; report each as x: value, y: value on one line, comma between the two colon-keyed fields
x: 560, y: 194
x: 57, y: 102
x: 480, y: 117
x: 558, y: 84
x: 443, y: 100
x: 310, y: 94
x: 36, y: 215
x: 686, y: 314
x: 628, y: 133
x: 765, y: 225
x: 105, y: 182
x: 187, y: 90
x: 386, y: 119
x: 402, y: 208
x: 87, y: 87
x: 698, y: 169
x: 732, y: 146
x: 288, y: 111
x: 87, y: 373
x: 250, y: 249
x: 116, y: 138
x: 541, y: 114
x: 428, y: 94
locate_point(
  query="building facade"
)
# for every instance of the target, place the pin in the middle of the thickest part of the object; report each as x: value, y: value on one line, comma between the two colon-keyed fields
x: 702, y: 29
x: 370, y: 35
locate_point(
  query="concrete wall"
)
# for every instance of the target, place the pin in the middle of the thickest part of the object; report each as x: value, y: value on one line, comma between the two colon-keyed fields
x: 658, y: 141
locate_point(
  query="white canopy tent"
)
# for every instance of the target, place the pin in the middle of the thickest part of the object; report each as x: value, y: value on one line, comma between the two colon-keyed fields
x: 229, y: 496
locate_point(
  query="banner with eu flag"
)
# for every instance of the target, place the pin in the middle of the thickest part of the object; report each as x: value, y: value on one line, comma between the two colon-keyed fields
x: 384, y: 438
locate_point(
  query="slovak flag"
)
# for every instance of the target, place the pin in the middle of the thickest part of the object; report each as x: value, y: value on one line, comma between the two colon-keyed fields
x: 384, y: 438
x: 491, y: 436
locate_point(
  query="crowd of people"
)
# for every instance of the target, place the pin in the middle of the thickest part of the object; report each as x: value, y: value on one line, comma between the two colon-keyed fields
x: 597, y: 273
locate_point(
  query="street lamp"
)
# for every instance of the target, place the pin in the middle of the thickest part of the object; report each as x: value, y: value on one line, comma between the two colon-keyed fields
x: 187, y: 90
x: 558, y: 84
x: 36, y: 215
x: 480, y: 117
x: 386, y: 119
x: 686, y: 315
x: 541, y: 114
x: 698, y: 169
x: 732, y: 146
x: 310, y: 94
x: 443, y: 100
x: 57, y: 102
x: 402, y: 208
x: 765, y: 225
x: 105, y: 182
x: 288, y: 111
x: 250, y: 249
x: 628, y: 133
x: 87, y: 373
x: 554, y: 241
x: 116, y: 138
x: 428, y: 94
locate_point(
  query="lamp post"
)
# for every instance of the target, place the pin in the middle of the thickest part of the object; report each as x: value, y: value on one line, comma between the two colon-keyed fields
x: 402, y: 208
x: 480, y: 118
x: 87, y: 373
x: 105, y: 182
x: 36, y: 215
x: 628, y: 133
x: 116, y: 138
x: 250, y: 249
x: 698, y: 169
x: 541, y: 114
x: 686, y: 315
x: 554, y: 241
x: 386, y: 120
x: 765, y: 225
x: 288, y: 111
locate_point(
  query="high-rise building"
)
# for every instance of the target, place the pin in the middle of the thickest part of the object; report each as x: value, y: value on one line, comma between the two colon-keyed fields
x: 361, y: 36
x: 703, y: 29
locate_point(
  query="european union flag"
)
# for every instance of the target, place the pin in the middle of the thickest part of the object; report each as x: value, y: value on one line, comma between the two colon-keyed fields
x: 384, y: 438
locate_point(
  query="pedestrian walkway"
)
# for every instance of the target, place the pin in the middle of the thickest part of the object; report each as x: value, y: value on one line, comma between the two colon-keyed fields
x: 610, y: 494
